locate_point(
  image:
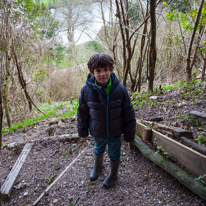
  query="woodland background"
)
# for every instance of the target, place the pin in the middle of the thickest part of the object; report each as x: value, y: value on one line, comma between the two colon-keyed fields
x: 153, y: 43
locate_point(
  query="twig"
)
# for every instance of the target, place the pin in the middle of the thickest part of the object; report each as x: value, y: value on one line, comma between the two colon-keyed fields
x: 54, y: 153
x: 3, y: 165
x: 76, y: 201
x: 46, y: 191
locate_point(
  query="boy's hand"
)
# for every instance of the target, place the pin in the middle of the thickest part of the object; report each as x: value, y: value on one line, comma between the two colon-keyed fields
x: 84, y: 138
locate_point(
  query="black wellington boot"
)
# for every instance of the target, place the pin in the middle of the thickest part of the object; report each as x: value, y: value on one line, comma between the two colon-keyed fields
x: 109, y: 181
x: 97, y: 167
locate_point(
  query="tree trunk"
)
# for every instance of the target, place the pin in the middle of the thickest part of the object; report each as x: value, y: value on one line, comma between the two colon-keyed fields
x: 1, y: 111
x: 70, y: 29
x: 188, y: 66
x: 49, y: 81
x: 139, y: 64
x: 122, y: 35
x: 153, y: 52
x: 201, y: 32
x: 203, y: 68
x: 23, y: 84
x: 4, y: 91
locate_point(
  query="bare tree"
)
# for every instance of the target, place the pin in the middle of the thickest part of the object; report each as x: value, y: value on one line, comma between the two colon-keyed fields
x: 203, y: 68
x: 1, y: 112
x: 74, y: 18
x: 140, y: 60
x: 152, y: 52
x: 17, y: 46
x: 129, y: 36
x: 128, y: 44
x: 189, y: 65
x: 6, y: 59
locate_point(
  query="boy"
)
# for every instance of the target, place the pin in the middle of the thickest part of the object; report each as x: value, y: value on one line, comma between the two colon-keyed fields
x: 105, y: 108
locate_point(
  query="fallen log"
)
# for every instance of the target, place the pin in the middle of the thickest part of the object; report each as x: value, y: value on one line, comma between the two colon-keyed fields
x: 200, y: 116
x: 199, y: 148
x: 158, y: 119
x: 183, y: 177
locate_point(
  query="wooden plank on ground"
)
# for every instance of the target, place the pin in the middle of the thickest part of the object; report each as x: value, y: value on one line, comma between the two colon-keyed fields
x: 187, y: 157
x: 57, y: 137
x: 8, y: 184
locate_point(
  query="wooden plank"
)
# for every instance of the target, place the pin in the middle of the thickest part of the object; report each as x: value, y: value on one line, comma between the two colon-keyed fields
x: 187, y: 157
x: 57, y: 137
x: 175, y: 132
x: 140, y: 128
x: 147, y: 134
x: 182, y: 176
x: 8, y: 184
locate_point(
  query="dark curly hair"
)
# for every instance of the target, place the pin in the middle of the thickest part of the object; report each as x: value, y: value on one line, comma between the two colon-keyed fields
x: 100, y: 60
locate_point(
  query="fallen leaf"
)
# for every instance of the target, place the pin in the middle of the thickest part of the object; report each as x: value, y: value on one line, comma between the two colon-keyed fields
x: 55, y: 200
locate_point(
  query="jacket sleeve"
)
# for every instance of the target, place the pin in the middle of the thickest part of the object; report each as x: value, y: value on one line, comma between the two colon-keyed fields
x: 128, y: 115
x: 82, y: 116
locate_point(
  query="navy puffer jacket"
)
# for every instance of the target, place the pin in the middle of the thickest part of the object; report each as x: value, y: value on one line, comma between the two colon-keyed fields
x: 105, y: 115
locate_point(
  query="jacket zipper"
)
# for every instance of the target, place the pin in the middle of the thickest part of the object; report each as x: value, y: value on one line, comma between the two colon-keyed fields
x: 90, y: 127
x: 107, y: 116
x: 107, y: 111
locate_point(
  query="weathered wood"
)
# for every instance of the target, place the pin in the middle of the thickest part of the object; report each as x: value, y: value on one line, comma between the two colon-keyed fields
x: 158, y: 119
x: 194, y: 145
x: 183, y: 177
x: 140, y: 128
x: 8, y: 184
x: 200, y: 116
x: 192, y: 160
x: 147, y: 134
x: 175, y: 132
x: 57, y: 137
x: 188, y: 158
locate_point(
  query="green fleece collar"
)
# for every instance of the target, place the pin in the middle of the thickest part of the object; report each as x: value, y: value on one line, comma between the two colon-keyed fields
x: 108, y: 87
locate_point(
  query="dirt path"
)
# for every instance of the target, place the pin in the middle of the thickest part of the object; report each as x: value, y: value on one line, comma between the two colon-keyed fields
x: 140, y: 182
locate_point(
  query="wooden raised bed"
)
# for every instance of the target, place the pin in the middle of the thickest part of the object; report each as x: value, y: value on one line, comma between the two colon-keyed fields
x: 191, y: 160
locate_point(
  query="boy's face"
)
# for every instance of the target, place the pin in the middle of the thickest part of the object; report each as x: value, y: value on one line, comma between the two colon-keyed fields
x: 102, y: 74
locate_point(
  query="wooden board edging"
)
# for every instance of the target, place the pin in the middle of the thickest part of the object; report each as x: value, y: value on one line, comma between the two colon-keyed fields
x: 8, y: 184
x: 194, y: 161
x: 182, y: 176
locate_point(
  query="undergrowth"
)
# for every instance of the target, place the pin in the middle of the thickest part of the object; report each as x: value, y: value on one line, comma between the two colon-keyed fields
x: 49, y: 111
x: 141, y: 99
